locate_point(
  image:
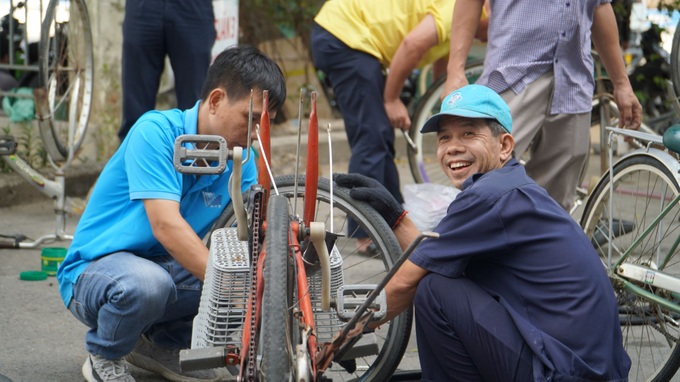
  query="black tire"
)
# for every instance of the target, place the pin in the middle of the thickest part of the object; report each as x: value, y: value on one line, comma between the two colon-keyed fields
x: 66, y: 73
x: 392, y: 338
x: 277, y: 350
x: 675, y: 60
x: 643, y: 185
x: 423, y: 162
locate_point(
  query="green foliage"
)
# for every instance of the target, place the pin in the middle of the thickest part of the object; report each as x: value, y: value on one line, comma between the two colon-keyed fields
x: 264, y: 20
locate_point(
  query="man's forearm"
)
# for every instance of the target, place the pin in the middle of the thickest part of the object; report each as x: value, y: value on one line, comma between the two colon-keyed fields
x: 466, y: 15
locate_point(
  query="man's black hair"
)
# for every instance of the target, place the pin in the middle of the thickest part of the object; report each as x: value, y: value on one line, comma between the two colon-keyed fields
x: 239, y: 69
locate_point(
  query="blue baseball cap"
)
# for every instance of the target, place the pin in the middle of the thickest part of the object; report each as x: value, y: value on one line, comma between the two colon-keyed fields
x: 472, y: 101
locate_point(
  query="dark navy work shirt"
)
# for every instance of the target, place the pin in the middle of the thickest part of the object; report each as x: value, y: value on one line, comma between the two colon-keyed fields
x: 506, y: 234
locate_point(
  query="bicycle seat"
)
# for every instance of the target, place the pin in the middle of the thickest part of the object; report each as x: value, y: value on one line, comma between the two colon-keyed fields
x: 671, y: 138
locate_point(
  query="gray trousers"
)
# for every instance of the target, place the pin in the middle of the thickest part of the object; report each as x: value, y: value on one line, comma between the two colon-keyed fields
x: 557, y: 145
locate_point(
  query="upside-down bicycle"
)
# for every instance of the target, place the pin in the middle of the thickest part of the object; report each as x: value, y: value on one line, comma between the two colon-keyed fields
x: 281, y: 282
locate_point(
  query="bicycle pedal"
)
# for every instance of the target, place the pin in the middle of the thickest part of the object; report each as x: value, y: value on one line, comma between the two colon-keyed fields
x: 351, y: 297
x: 202, y: 358
x: 200, y: 154
x: 8, y: 145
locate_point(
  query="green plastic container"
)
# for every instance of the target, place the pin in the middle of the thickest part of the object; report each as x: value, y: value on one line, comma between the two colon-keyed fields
x: 51, y: 259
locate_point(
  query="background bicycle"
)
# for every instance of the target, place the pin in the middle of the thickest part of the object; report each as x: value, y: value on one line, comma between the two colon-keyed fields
x: 62, y: 95
x: 632, y: 219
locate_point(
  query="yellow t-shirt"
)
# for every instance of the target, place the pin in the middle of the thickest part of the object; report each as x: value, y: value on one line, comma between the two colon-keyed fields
x: 378, y: 27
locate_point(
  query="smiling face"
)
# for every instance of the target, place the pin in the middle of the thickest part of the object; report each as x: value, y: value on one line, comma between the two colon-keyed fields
x: 466, y: 146
x: 221, y: 116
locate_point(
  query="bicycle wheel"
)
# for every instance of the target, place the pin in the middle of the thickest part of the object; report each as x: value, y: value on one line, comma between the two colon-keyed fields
x: 378, y: 355
x: 642, y: 187
x: 423, y: 162
x: 65, y: 73
x: 675, y: 60
x: 277, y: 346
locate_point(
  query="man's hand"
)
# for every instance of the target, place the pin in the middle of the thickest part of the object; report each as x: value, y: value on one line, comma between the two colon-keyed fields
x: 630, y: 110
x: 398, y: 114
x: 369, y: 190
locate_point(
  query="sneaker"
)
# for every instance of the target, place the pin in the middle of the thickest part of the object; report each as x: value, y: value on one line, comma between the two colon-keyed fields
x: 99, y: 369
x: 151, y: 357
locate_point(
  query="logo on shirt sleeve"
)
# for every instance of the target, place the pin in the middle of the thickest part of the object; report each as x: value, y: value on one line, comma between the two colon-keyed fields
x: 212, y: 200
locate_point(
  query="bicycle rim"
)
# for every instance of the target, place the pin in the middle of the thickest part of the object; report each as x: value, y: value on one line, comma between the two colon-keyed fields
x: 65, y: 72
x: 423, y: 162
x: 643, y: 186
x: 276, y: 339
x: 377, y: 362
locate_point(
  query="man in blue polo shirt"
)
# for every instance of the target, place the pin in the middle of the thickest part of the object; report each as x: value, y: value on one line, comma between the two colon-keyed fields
x: 134, y: 269
x: 512, y: 290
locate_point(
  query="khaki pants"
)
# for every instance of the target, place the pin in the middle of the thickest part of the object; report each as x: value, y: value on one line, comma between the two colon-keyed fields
x: 558, y: 145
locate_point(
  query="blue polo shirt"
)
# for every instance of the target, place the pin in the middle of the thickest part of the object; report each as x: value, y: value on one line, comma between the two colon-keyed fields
x: 510, y: 237
x: 142, y: 168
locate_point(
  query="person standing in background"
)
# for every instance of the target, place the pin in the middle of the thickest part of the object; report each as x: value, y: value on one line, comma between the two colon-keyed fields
x: 182, y: 30
x: 539, y: 60
x: 368, y: 49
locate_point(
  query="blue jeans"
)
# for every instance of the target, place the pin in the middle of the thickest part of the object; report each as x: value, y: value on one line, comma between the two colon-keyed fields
x: 122, y: 296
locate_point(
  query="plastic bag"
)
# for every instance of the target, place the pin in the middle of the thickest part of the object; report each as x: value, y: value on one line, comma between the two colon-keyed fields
x: 427, y: 203
x: 19, y: 109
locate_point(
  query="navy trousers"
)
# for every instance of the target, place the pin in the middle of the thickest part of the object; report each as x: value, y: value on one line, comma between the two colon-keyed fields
x: 358, y: 81
x: 464, y: 334
x: 185, y: 31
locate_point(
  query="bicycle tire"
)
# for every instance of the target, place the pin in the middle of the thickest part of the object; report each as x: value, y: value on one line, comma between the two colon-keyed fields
x: 675, y: 60
x: 358, y: 268
x: 66, y: 74
x: 643, y: 186
x: 423, y: 161
x: 277, y: 350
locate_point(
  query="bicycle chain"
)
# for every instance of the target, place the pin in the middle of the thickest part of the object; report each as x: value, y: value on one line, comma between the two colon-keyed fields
x: 251, y: 368
x: 640, y: 312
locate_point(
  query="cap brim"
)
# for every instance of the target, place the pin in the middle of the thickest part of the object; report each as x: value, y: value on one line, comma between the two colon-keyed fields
x: 432, y: 124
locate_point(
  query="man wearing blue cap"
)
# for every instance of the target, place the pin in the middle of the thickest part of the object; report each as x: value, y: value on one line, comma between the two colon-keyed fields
x: 501, y: 293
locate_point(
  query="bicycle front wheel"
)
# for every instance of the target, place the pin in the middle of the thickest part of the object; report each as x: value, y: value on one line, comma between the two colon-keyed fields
x: 423, y: 160
x: 278, y: 349
x: 65, y: 73
x: 377, y: 355
x: 642, y: 187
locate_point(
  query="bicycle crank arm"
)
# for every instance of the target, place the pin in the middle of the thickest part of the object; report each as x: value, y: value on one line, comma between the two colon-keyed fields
x: 197, y: 154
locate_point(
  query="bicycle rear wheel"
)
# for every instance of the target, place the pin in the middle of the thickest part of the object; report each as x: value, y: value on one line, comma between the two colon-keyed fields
x: 377, y: 357
x: 423, y: 161
x: 643, y: 186
x: 65, y: 73
x: 278, y: 345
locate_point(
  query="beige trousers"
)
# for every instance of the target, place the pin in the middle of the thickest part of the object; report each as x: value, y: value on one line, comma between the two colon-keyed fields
x: 557, y: 146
